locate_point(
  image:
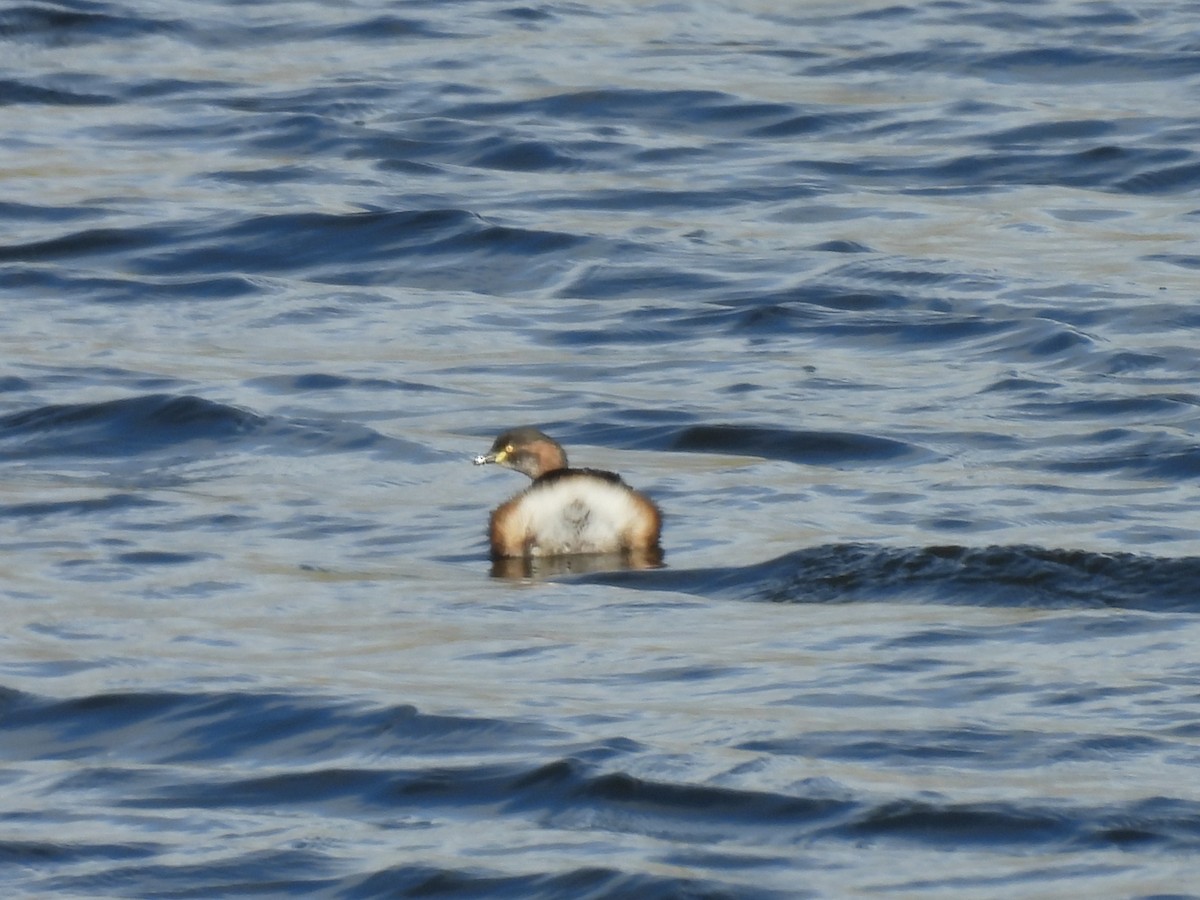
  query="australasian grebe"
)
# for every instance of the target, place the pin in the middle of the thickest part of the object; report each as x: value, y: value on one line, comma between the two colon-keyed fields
x: 567, y: 511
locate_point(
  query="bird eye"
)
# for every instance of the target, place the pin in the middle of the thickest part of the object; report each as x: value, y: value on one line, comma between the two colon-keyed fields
x: 508, y: 449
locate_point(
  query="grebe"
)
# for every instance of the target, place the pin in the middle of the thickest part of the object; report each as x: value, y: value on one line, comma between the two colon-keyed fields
x: 567, y: 511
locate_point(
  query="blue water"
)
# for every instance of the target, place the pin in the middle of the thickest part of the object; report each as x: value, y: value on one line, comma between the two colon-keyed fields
x: 891, y: 308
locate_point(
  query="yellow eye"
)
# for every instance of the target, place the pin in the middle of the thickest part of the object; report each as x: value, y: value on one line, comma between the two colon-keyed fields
x: 508, y: 449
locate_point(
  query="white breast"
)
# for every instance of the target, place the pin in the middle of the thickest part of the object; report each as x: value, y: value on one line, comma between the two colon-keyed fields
x: 577, y: 515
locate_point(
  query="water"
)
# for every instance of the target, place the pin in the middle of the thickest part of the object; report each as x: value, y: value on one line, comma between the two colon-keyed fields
x: 891, y: 308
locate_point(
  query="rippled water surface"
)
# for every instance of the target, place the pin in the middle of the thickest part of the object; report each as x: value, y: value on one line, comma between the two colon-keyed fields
x: 892, y: 309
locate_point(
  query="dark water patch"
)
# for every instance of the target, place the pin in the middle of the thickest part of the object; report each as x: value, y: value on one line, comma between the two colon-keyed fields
x: 306, y: 315
x: 314, y: 134
x: 1044, y: 132
x: 884, y: 270
x: 1053, y: 63
x: 1097, y: 17
x: 40, y: 853
x: 285, y: 756
x: 811, y: 448
x: 315, y: 124
x: 1063, y: 628
x: 1060, y: 342
x: 1095, y: 167
x: 526, y: 156
x: 685, y: 674
x: 1156, y: 455
x: 167, y: 728
x: 710, y: 112
x: 48, y: 508
x: 919, y: 329
x: 124, y: 427
x: 1183, y: 260
x: 17, y: 93
x: 446, y: 147
x: 270, y: 175
x: 665, y: 156
x: 217, y: 287
x: 354, y: 248
x: 1167, y: 824
x: 960, y: 825
x: 320, y: 382
x: 128, y: 290
x: 362, y: 248
x: 1125, y: 362
x: 74, y: 378
x: 835, y: 297
x: 827, y: 448
x: 1165, y: 180
x: 409, y: 167
x: 526, y: 14
x: 1037, y: 340
x: 14, y: 384
x: 160, y: 423
x: 58, y: 26
x: 610, y: 281
x: 386, y: 28
x: 90, y: 242
x: 330, y: 436
x: 642, y: 200
x: 196, y: 133
x: 810, y: 124
x: 841, y: 246
x: 155, y: 88
x: 622, y: 793
x: 424, y: 790
x: 1159, y: 408
x: 1041, y: 876
x: 1015, y: 576
x: 976, y: 748
x: 160, y: 558
x: 252, y: 873
x: 1088, y: 65
x: 588, y: 883
x: 31, y: 212
x: 1087, y: 214
x: 1104, y: 167
x: 880, y: 316
x: 703, y: 812
x: 1020, y: 385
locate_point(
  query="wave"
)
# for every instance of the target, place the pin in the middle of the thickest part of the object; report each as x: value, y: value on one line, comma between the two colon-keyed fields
x: 318, y: 748
x: 1013, y: 576
x: 202, y: 728
x: 147, y: 761
x: 127, y: 426
x: 155, y: 423
x: 425, y: 248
